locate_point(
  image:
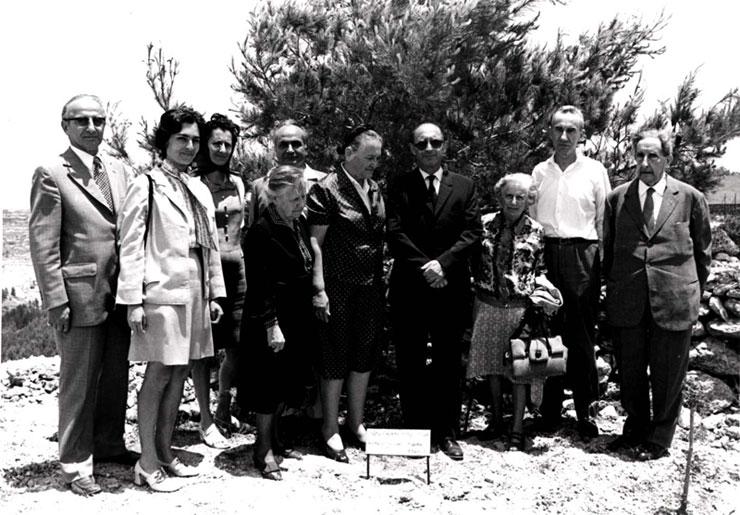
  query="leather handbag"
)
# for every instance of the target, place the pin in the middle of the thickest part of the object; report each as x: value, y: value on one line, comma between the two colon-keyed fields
x: 534, y: 352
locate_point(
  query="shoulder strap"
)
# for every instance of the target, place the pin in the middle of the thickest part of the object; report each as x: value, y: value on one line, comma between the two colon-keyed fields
x: 148, y: 207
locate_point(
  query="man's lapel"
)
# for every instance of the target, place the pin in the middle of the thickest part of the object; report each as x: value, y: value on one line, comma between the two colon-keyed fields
x: 633, y: 207
x: 445, y: 188
x: 670, y: 199
x: 81, y: 176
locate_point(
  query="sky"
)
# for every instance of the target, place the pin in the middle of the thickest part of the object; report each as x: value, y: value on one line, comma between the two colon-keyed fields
x: 52, y: 50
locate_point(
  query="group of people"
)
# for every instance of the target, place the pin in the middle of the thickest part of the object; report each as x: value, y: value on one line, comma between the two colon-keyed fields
x: 287, y: 277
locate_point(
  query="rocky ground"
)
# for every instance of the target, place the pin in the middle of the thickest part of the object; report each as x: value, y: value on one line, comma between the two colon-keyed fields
x: 561, y: 473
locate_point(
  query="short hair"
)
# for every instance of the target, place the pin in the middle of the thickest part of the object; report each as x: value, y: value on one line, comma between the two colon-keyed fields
x: 77, y: 97
x: 171, y: 122
x: 282, y: 177
x: 413, y: 131
x: 568, y: 109
x: 288, y: 123
x: 523, y: 179
x: 355, y: 136
x: 666, y: 141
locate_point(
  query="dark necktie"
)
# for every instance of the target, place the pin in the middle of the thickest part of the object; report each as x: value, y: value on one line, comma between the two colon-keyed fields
x: 431, y: 192
x: 647, y: 210
x: 101, y: 179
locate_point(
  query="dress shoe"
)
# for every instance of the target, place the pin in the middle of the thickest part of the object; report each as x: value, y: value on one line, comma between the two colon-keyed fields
x: 85, y: 486
x: 622, y: 443
x: 451, y: 448
x: 178, y: 469
x: 158, y: 481
x: 128, y: 458
x: 212, y: 437
x: 332, y: 454
x: 649, y: 451
x: 587, y: 428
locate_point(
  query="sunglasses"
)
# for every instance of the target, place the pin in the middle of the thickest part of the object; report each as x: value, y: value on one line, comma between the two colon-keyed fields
x: 98, y: 121
x: 284, y: 144
x: 435, y: 143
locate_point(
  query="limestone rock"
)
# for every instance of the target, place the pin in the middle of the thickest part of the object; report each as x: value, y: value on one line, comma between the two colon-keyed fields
x: 722, y: 243
x: 609, y: 412
x: 713, y: 422
x: 684, y: 418
x: 712, y: 394
x: 714, y: 357
x: 729, y: 329
x: 697, y: 330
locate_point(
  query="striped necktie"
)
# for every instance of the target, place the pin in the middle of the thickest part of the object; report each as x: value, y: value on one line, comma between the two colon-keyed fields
x: 101, y: 179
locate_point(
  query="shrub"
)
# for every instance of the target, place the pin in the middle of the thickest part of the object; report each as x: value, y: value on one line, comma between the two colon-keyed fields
x: 25, y: 333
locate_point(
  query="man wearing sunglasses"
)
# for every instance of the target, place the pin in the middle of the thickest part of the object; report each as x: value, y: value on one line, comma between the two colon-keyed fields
x: 571, y: 191
x: 72, y: 229
x: 433, y: 220
x: 289, y: 144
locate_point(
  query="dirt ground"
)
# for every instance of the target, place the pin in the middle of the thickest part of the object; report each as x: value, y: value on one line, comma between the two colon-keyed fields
x: 561, y: 474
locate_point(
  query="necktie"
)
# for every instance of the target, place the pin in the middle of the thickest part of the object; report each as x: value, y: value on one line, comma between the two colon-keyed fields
x: 647, y: 210
x: 101, y: 179
x: 431, y: 192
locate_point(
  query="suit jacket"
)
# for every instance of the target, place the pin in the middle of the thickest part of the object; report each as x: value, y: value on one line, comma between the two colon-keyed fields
x: 353, y: 247
x: 162, y: 269
x: 418, y: 232
x: 72, y: 234
x: 667, y: 268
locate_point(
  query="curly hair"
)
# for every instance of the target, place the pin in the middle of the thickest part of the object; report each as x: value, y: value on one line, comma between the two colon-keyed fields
x: 171, y: 122
x: 666, y: 142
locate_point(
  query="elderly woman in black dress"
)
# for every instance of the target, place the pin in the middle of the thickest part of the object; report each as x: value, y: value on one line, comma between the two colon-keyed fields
x: 228, y: 194
x: 277, y: 330
x: 346, y: 215
x: 508, y: 268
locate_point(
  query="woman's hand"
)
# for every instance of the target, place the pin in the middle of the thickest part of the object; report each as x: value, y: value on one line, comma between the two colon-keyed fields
x: 321, y: 305
x: 216, y: 312
x: 136, y: 319
x: 275, y: 338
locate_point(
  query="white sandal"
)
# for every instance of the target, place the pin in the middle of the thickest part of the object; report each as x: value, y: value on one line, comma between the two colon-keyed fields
x: 212, y: 437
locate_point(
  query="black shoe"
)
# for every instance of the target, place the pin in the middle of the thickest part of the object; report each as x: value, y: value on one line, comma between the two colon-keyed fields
x: 340, y: 456
x: 587, y: 429
x: 128, y: 458
x: 451, y: 448
x: 649, y: 451
x: 85, y: 486
x: 622, y: 443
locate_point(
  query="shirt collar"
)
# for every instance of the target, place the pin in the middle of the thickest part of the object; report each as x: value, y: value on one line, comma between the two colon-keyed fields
x: 174, y: 172
x: 364, y: 187
x: 87, y: 159
x: 659, y: 187
x: 437, y: 174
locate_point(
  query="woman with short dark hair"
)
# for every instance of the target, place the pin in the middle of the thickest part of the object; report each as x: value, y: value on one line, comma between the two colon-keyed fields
x: 170, y: 277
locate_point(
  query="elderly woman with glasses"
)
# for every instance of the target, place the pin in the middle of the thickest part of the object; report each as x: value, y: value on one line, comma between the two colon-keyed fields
x: 346, y: 215
x: 170, y: 279
x: 508, y: 268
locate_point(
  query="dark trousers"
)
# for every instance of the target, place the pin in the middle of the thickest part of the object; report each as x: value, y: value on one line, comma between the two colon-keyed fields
x: 430, y: 393
x: 574, y: 268
x: 666, y: 354
x: 93, y: 387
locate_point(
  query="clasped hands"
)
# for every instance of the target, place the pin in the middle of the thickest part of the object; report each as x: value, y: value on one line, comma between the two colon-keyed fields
x: 434, y: 274
x: 138, y: 323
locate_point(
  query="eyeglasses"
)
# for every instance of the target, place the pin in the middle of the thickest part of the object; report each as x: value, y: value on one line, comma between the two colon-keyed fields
x: 284, y: 144
x: 435, y: 143
x: 83, y: 121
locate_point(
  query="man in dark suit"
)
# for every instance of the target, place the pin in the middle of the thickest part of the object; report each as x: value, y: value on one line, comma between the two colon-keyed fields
x: 657, y: 254
x: 72, y: 232
x: 433, y: 220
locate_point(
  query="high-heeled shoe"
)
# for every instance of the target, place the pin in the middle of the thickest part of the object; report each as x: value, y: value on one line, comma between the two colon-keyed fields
x: 177, y: 468
x: 333, y: 454
x: 158, y: 481
x: 269, y: 469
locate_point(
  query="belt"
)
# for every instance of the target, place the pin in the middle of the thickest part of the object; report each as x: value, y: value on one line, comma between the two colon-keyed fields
x: 568, y: 241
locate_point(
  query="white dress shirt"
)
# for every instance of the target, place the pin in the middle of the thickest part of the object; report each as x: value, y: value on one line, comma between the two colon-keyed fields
x: 659, y: 190
x: 437, y: 179
x: 87, y: 159
x: 570, y: 202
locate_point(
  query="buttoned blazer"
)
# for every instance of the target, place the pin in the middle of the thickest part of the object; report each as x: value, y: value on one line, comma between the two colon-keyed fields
x: 72, y: 234
x: 668, y: 268
x: 352, y: 251
x: 159, y: 274
x: 419, y: 232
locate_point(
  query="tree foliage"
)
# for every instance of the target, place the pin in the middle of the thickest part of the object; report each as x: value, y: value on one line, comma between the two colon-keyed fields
x: 467, y: 65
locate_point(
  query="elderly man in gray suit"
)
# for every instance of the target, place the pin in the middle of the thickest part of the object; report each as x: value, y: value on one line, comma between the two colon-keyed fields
x: 72, y: 230
x: 656, y: 262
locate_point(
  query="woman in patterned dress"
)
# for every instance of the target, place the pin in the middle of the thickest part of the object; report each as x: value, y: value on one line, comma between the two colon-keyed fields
x: 507, y: 270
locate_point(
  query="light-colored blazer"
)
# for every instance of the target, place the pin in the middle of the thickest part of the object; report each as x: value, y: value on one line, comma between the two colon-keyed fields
x: 667, y: 268
x: 72, y: 234
x: 160, y: 275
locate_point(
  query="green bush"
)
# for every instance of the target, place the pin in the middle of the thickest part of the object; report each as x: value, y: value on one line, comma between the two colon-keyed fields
x: 26, y: 333
x: 731, y: 225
